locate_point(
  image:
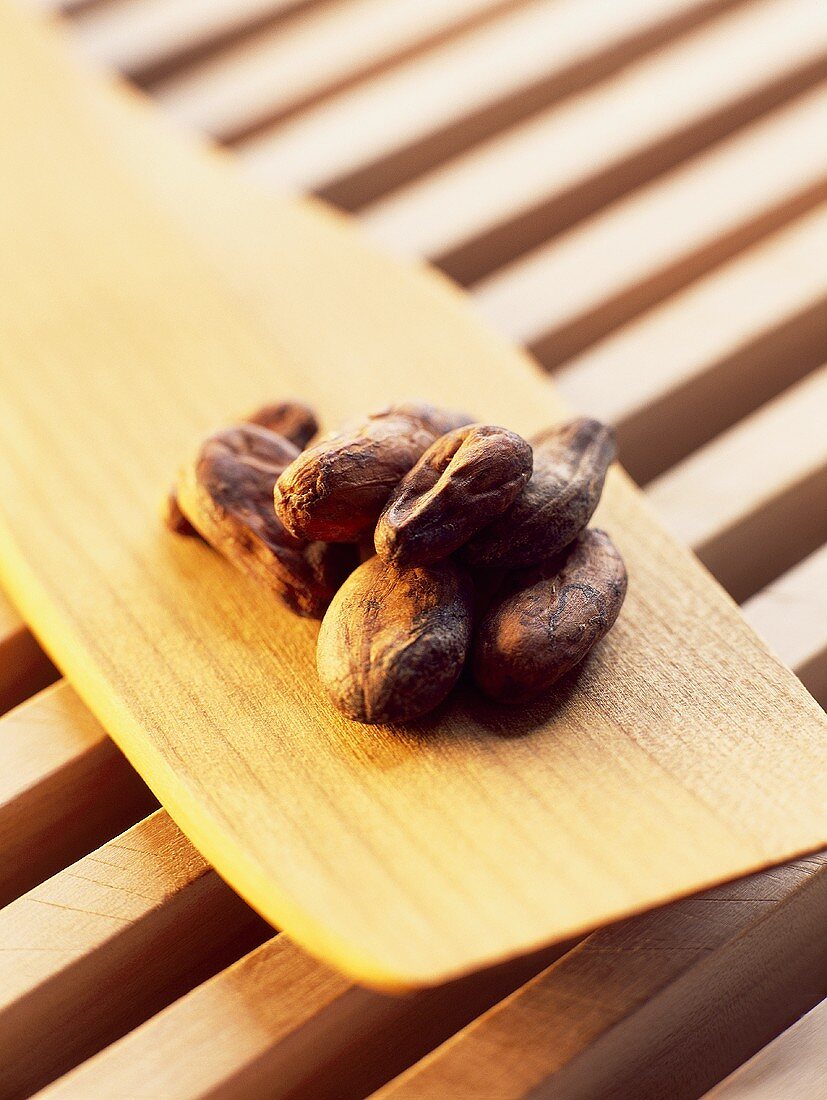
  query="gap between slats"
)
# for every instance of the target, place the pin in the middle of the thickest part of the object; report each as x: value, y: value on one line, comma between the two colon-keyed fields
x: 146, y: 38
x: 24, y: 668
x: 677, y: 376
x: 270, y: 75
x: 792, y: 614
x: 752, y: 502
x: 481, y: 210
x: 90, y: 953
x: 64, y: 789
x: 574, y: 290
x: 366, y: 141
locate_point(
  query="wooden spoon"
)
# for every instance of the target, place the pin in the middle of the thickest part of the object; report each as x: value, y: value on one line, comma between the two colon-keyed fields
x: 149, y: 294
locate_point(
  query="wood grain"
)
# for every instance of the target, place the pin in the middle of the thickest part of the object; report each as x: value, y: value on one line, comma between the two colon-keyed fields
x: 655, y: 240
x: 660, y: 1006
x: 365, y: 1035
x: 714, y: 500
x: 91, y: 952
x: 476, y: 212
x: 195, y: 676
x: 370, y: 138
x: 794, y: 1065
x: 290, y: 1027
x: 64, y: 789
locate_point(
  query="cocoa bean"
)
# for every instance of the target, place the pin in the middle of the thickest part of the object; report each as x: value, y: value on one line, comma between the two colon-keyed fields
x: 292, y: 419
x: 570, y: 465
x: 227, y: 496
x: 336, y: 489
x: 393, y: 641
x: 461, y: 483
x: 548, y: 620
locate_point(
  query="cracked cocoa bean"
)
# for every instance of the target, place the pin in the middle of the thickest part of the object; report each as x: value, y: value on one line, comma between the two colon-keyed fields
x: 394, y: 641
x: 336, y: 489
x: 227, y: 496
x: 462, y: 482
x: 570, y: 465
x: 549, y: 619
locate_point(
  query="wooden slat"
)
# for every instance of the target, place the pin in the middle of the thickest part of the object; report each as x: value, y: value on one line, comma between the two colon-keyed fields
x: 481, y: 210
x: 379, y: 134
x: 292, y: 1020
x: 792, y: 612
x: 574, y: 290
x: 289, y: 1027
x: 751, y: 502
x: 24, y: 668
x: 686, y: 370
x: 660, y: 1006
x: 134, y: 35
x: 793, y: 1066
x: 64, y: 789
x: 272, y: 72
x: 91, y: 952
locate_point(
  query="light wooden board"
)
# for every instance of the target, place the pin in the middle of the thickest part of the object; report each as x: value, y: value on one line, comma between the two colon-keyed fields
x: 713, y: 353
x: 275, y: 70
x: 370, y: 138
x: 95, y: 949
x: 793, y: 1066
x: 651, y: 242
x: 317, y: 1011
x: 619, y: 771
x: 64, y: 789
x: 478, y: 211
x: 715, y: 501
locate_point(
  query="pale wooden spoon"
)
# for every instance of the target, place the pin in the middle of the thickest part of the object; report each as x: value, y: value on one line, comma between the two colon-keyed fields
x: 142, y: 305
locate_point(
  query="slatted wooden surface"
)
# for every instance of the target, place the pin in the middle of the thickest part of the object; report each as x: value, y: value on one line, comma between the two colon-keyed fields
x: 637, y: 191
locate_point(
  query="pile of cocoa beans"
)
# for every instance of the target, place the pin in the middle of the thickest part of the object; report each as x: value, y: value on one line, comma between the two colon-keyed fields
x: 424, y: 540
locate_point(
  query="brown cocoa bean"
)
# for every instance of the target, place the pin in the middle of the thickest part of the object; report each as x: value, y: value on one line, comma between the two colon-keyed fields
x: 393, y: 641
x: 292, y: 419
x: 549, y: 619
x: 336, y: 489
x: 461, y: 483
x: 227, y: 495
x: 570, y: 465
